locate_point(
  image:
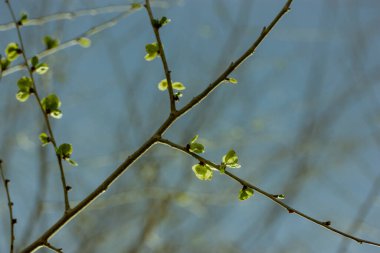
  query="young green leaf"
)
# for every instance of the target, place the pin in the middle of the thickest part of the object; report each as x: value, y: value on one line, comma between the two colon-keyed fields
x: 164, y: 21
x: 72, y: 162
x: 4, y: 63
x: 194, y: 139
x: 84, y: 42
x: 12, y: 51
x: 245, y: 193
x: 41, y: 68
x: 34, y: 61
x: 65, y: 150
x: 152, y: 51
x: 231, y: 159
x: 25, y: 87
x: 44, y: 138
x: 178, y: 86
x: 22, y: 96
x: 163, y: 85
x: 197, y: 148
x: 51, y: 105
x: 232, y: 80
x: 23, y: 19
x: 50, y: 42
x: 202, y: 171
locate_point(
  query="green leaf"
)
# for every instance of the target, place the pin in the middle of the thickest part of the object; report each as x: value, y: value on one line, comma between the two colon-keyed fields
x: 12, y: 51
x: 194, y: 138
x: 232, y: 80
x: 42, y: 68
x: 84, y: 42
x: 178, y: 86
x: 231, y: 159
x: 51, y: 105
x: 280, y: 196
x: 44, y: 138
x: 245, y: 193
x: 164, y: 21
x: 152, y: 51
x: 23, y: 19
x: 22, y: 96
x: 197, y: 148
x: 50, y: 42
x: 202, y: 172
x: 34, y: 61
x: 56, y: 114
x: 4, y: 63
x: 72, y: 162
x: 25, y: 87
x: 24, y: 84
x: 65, y: 150
x: 163, y: 85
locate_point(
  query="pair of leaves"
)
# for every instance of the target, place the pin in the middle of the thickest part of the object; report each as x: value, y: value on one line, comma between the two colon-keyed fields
x: 23, y: 19
x: 25, y: 88
x: 39, y: 68
x: 202, y: 171
x: 51, y: 105
x: 12, y: 51
x: 195, y: 146
x: 50, y: 42
x: 64, y: 151
x: 245, y: 193
x: 163, y: 85
x: 230, y: 160
x: 152, y: 51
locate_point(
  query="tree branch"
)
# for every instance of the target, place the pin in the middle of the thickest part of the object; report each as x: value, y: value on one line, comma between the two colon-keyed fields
x: 12, y: 220
x: 273, y: 197
x: 46, y: 118
x: 162, y: 56
x: 148, y: 144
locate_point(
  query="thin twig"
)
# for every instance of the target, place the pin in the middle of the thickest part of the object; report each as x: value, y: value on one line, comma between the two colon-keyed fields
x: 69, y: 15
x: 73, y: 42
x: 55, y: 249
x: 148, y: 144
x: 46, y: 118
x: 291, y: 210
x: 162, y: 56
x: 12, y: 220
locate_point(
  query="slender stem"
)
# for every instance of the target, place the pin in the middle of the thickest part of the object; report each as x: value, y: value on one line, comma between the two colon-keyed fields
x: 55, y: 249
x: 162, y: 56
x: 70, y: 15
x: 291, y: 210
x: 12, y: 220
x: 46, y: 118
x: 140, y: 151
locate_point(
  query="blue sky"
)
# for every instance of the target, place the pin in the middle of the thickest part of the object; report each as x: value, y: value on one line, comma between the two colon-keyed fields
x: 303, y: 119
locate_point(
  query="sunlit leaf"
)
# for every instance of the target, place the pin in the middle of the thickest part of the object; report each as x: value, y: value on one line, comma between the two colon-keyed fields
x: 44, y: 138
x: 245, y: 193
x: 202, y: 172
x: 178, y: 86
x: 42, y: 68
x: 231, y: 159
x: 84, y: 42
x: 12, y: 51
